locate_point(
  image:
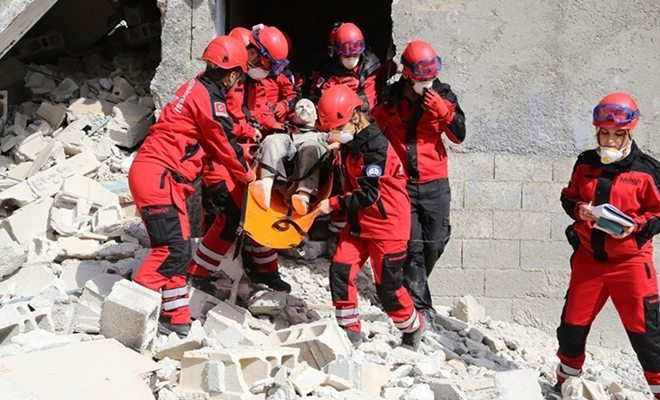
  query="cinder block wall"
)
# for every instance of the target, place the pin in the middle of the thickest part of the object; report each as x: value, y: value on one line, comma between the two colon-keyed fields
x: 528, y: 75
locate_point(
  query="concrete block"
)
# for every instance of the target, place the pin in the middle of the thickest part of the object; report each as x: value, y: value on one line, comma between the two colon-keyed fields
x: 244, y: 366
x: 457, y: 194
x: 79, y: 187
x: 21, y: 318
x: 70, y: 217
x: 130, y: 124
x: 175, y: 347
x: 537, y: 312
x: 30, y: 147
x: 456, y: 282
x: 446, y: 391
x: 29, y: 221
x: 538, y: 255
x: 560, y: 221
x: 452, y: 257
x: 12, y: 255
x: 514, y: 283
x: 108, y: 220
x: 74, y: 247
x: 374, y: 377
x: 305, y: 379
x: 510, y: 167
x: 471, y: 166
x: 488, y: 253
x: 88, y: 316
x: 473, y: 224
x: 67, y: 89
x: 521, y: 225
x: 521, y: 384
x: 319, y: 342
x: 541, y: 196
x: 52, y: 113
x: 493, y: 195
x: 562, y: 168
x: 82, y: 106
x: 337, y: 382
x: 231, y: 333
x: 497, y: 309
x: 130, y: 315
x: 467, y: 309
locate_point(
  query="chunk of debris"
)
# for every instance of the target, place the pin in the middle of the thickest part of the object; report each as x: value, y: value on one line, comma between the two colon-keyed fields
x: 130, y: 124
x: 467, y: 309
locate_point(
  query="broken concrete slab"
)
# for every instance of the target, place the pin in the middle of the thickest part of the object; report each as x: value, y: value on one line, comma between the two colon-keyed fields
x: 319, y: 342
x: 446, y: 390
x: 53, y: 150
x: 467, y: 309
x: 244, y: 366
x: 75, y: 247
x: 12, y: 255
x: 18, y: 18
x: 130, y: 124
x: 67, y: 89
x: 29, y: 148
x: 88, y: 316
x: 175, y: 347
x: 200, y: 302
x: 80, y: 187
x: 130, y: 315
x: 305, y: 379
x: 27, y: 281
x: 521, y: 384
x: 69, y: 218
x: 41, y: 251
x: 230, y: 332
x: 243, y: 317
x: 118, y: 372
x: 29, y: 221
x: 96, y: 107
x: 52, y: 113
x: 594, y: 391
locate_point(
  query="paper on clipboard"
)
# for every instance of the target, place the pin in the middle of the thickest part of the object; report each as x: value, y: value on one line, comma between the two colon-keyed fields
x: 609, y: 212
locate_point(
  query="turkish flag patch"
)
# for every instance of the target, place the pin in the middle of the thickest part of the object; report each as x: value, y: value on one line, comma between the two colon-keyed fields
x: 220, y: 109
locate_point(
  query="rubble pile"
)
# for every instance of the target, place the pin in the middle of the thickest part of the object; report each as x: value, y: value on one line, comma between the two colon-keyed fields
x: 70, y: 241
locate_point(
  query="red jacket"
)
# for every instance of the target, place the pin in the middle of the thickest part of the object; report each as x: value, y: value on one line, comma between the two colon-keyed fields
x: 243, y: 130
x: 416, y: 135
x: 262, y: 97
x: 362, y: 79
x: 195, y: 119
x: 631, y: 185
x: 375, y: 197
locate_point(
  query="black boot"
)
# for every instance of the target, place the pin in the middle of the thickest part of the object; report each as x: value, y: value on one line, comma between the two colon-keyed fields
x: 202, y: 283
x: 429, y: 319
x: 412, y: 340
x: 165, y: 326
x: 273, y: 280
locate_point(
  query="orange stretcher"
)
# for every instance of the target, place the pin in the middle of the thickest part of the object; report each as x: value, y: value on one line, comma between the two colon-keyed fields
x: 279, y: 227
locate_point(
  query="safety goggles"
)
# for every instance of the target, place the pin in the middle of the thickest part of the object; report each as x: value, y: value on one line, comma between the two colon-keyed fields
x: 352, y: 48
x: 276, y: 67
x: 614, y: 113
x: 426, y: 68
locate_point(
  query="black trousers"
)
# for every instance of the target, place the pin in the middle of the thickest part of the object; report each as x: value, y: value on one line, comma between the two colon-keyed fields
x: 429, y: 234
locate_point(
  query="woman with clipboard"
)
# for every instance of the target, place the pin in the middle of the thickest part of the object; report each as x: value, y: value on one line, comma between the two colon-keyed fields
x: 610, y: 264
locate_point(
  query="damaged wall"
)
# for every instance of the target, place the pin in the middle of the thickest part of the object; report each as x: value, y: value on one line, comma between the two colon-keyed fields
x: 527, y: 75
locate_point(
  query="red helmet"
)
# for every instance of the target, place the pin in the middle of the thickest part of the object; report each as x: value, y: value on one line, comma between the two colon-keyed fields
x: 420, y: 61
x: 242, y: 34
x: 226, y: 52
x: 336, y: 106
x: 617, y: 110
x: 346, y: 40
x: 272, y: 45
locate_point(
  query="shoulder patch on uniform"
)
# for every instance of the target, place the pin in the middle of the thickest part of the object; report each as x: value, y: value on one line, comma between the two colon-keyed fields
x: 373, y: 170
x: 220, y: 109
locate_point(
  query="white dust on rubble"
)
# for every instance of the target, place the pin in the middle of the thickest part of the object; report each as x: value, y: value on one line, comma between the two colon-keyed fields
x: 70, y: 241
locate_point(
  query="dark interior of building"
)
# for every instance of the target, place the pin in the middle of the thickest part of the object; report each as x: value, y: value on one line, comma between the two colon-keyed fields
x: 308, y: 23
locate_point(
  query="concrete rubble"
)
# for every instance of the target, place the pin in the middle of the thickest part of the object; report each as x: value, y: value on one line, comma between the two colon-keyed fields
x: 70, y: 242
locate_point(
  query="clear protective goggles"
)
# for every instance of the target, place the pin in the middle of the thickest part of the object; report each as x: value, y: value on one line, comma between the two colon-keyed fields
x: 276, y: 67
x: 614, y: 113
x: 424, y: 69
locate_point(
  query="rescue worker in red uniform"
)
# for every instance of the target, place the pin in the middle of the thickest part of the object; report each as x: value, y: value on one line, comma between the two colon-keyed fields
x: 222, y: 201
x: 378, y: 210
x: 416, y: 112
x: 170, y: 159
x: 613, y: 265
x: 270, y: 93
x: 351, y: 64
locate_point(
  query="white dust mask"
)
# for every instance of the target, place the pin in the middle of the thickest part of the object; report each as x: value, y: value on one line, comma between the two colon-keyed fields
x: 350, y: 62
x: 609, y: 155
x: 257, y: 73
x: 419, y: 87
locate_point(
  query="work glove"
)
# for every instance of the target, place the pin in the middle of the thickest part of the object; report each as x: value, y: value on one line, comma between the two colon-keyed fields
x: 436, y: 104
